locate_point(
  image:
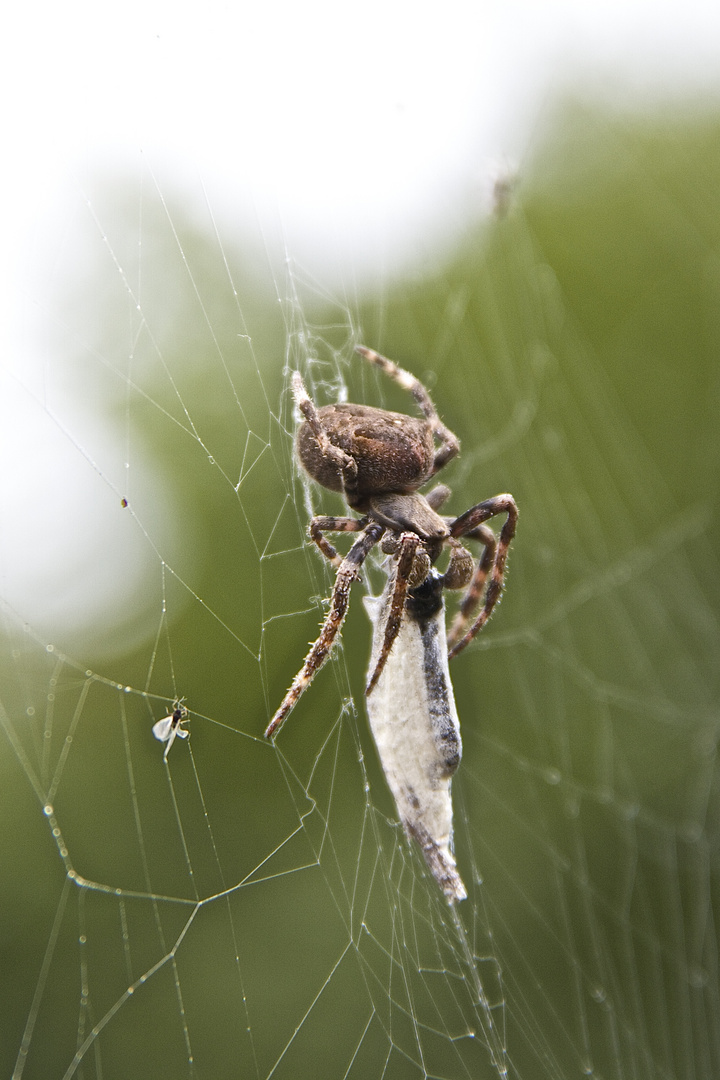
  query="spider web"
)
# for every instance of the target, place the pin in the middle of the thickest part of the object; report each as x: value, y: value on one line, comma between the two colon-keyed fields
x: 250, y: 910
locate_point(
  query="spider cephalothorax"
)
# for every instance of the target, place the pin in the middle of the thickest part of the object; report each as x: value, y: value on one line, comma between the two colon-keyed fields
x: 379, y: 460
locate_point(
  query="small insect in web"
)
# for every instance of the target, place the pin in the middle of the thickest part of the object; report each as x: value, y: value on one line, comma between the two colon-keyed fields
x: 378, y: 460
x: 170, y: 727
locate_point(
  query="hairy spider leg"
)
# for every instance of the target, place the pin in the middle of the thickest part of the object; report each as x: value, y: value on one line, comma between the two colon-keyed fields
x: 475, y: 589
x: 450, y: 444
x: 466, y: 524
x: 439, y: 495
x: 454, y: 577
x: 319, y: 525
x: 347, y: 572
x: 409, y: 543
x: 347, y: 466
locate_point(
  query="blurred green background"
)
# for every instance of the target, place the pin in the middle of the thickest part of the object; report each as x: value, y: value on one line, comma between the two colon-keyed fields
x: 261, y: 903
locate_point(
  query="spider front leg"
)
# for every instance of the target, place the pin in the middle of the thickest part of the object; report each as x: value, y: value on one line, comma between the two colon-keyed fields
x: 472, y: 579
x: 320, y: 525
x: 411, y: 569
x: 347, y: 572
x: 492, y: 563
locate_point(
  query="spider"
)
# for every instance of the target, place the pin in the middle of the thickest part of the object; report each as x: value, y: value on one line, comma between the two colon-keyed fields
x: 378, y: 460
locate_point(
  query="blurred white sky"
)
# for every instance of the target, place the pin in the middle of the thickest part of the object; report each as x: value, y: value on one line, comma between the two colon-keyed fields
x: 358, y: 127
x: 355, y: 123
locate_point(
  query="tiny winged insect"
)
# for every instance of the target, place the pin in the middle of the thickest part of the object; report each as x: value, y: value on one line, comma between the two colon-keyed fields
x: 170, y: 727
x: 378, y: 460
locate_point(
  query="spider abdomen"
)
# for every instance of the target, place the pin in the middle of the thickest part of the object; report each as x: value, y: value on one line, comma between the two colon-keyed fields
x: 393, y: 452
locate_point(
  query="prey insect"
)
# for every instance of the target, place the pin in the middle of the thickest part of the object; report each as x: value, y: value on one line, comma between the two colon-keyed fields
x: 170, y: 727
x: 378, y: 460
x: 415, y: 724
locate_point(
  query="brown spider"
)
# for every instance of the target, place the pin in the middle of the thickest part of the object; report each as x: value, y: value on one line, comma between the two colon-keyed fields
x: 378, y: 460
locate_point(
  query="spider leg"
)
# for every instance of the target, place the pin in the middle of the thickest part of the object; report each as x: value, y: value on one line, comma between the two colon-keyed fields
x: 439, y: 494
x: 450, y: 444
x: 409, y: 543
x: 319, y: 525
x: 475, y: 588
x: 466, y: 525
x: 346, y: 465
x: 319, y: 652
